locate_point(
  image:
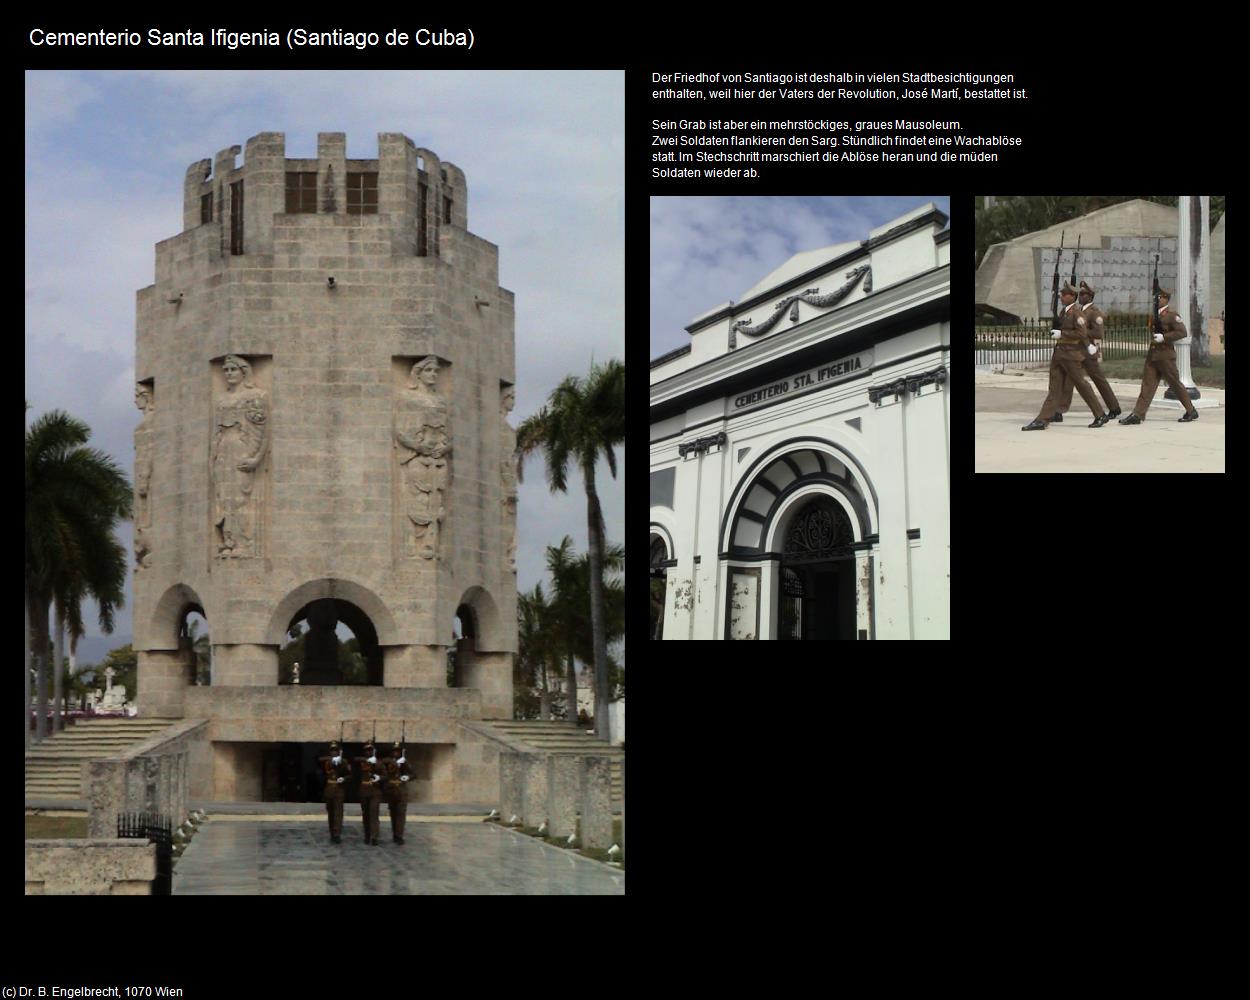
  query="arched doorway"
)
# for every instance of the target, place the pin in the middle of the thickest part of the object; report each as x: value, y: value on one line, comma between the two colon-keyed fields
x: 658, y: 573
x: 334, y: 642
x: 816, y: 599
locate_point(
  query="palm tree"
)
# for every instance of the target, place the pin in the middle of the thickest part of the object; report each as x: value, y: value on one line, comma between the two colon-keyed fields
x: 536, y: 647
x: 74, y: 498
x: 583, y: 418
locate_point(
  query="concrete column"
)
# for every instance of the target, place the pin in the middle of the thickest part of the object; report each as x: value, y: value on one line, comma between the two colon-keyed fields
x: 414, y: 666
x: 709, y: 608
x: 106, y: 796
x: 491, y: 674
x: 892, y: 564
x: 511, y: 778
x: 245, y: 665
x: 536, y: 788
x: 928, y: 478
x: 565, y: 784
x: 1191, y: 297
x: 196, y: 174
x: 596, y: 802
x: 264, y: 190
x: 162, y: 681
x: 332, y: 172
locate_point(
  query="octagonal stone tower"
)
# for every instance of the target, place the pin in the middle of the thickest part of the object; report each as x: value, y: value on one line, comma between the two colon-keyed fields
x: 324, y: 365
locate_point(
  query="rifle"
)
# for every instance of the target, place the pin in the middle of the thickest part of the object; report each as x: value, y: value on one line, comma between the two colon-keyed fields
x: 403, y: 743
x: 1157, y: 326
x: 1054, y: 284
x: 1075, y: 259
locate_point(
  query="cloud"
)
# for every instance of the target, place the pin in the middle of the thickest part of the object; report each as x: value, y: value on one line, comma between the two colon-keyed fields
x: 107, y: 152
x: 708, y: 251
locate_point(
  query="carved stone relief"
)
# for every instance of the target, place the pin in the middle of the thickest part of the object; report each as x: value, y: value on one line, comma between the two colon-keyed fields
x: 507, y: 472
x: 240, y: 445
x: 423, y: 442
x: 144, y: 446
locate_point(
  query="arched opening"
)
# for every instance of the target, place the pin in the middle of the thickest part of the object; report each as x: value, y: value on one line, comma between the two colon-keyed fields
x: 330, y: 641
x: 658, y: 572
x: 465, y: 632
x: 196, y: 647
x: 816, y: 599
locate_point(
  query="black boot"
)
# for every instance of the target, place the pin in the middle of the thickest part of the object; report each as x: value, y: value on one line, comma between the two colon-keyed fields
x: 1132, y: 418
x: 1037, y: 425
x: 1099, y: 421
x: 1191, y: 415
x: 1057, y: 418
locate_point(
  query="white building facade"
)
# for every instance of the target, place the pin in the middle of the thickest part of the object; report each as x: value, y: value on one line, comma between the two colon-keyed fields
x: 800, y: 450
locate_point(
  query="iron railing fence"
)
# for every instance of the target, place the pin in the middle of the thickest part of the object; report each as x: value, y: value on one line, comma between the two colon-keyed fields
x: 1124, y: 338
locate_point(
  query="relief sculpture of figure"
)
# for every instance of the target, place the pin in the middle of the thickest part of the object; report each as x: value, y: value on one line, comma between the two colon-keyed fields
x: 143, y: 476
x: 422, y: 439
x: 507, y: 470
x: 240, y: 443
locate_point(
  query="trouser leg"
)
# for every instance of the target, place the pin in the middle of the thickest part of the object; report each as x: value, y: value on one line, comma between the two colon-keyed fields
x: 1072, y: 368
x: 1149, y: 385
x: 1167, y: 369
x: 1055, y: 390
x: 1100, y: 382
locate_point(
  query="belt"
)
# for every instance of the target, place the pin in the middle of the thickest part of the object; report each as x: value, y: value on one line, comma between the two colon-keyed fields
x: 1065, y: 342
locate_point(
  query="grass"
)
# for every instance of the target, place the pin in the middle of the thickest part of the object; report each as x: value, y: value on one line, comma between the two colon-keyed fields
x: 55, y: 827
x: 1211, y: 376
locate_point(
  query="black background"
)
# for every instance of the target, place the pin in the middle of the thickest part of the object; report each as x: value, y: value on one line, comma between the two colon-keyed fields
x: 1071, y: 736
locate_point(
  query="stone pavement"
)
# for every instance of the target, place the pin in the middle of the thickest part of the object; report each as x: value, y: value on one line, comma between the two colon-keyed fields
x: 283, y: 855
x: 1005, y: 403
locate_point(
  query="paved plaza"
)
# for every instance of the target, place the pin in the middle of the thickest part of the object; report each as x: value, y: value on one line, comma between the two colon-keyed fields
x: 1005, y: 403
x: 290, y: 855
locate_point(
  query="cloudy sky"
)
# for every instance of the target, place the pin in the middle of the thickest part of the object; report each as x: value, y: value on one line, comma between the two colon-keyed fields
x: 106, y: 153
x: 707, y: 251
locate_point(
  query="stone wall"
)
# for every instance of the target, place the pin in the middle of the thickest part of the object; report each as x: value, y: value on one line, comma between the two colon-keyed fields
x: 90, y: 867
x: 150, y: 776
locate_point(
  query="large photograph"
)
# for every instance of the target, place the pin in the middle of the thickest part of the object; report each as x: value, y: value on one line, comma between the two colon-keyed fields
x: 324, y: 482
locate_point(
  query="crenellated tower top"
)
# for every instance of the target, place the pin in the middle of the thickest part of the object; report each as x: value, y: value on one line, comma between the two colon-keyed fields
x: 407, y: 192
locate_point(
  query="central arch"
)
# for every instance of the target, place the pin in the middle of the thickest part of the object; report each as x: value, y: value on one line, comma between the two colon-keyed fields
x: 382, y: 621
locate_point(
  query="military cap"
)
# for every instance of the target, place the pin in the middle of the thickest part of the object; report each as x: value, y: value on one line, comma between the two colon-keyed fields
x: 1164, y: 293
x: 334, y: 744
x: 395, y: 745
x: 1067, y: 289
x: 1089, y: 288
x: 368, y: 744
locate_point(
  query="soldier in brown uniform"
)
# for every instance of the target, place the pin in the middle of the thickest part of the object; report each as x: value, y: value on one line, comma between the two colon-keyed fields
x: 1161, y: 363
x: 395, y: 775
x: 1071, y: 347
x: 1094, y: 323
x: 370, y: 780
x: 337, y: 771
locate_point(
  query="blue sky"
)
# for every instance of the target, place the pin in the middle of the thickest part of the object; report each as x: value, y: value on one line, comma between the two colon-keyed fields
x: 706, y: 251
x: 106, y: 153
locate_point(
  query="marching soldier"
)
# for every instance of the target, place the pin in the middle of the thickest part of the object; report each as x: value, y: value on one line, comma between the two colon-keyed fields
x: 1161, y: 363
x: 395, y: 775
x: 370, y: 780
x: 1094, y: 323
x: 1072, y: 343
x: 337, y: 771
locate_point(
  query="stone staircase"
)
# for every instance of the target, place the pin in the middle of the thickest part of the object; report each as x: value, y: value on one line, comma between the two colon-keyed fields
x: 54, y: 767
x: 566, y: 736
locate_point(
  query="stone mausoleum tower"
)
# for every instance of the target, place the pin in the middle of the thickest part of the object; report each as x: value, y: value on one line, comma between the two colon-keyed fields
x: 324, y: 366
